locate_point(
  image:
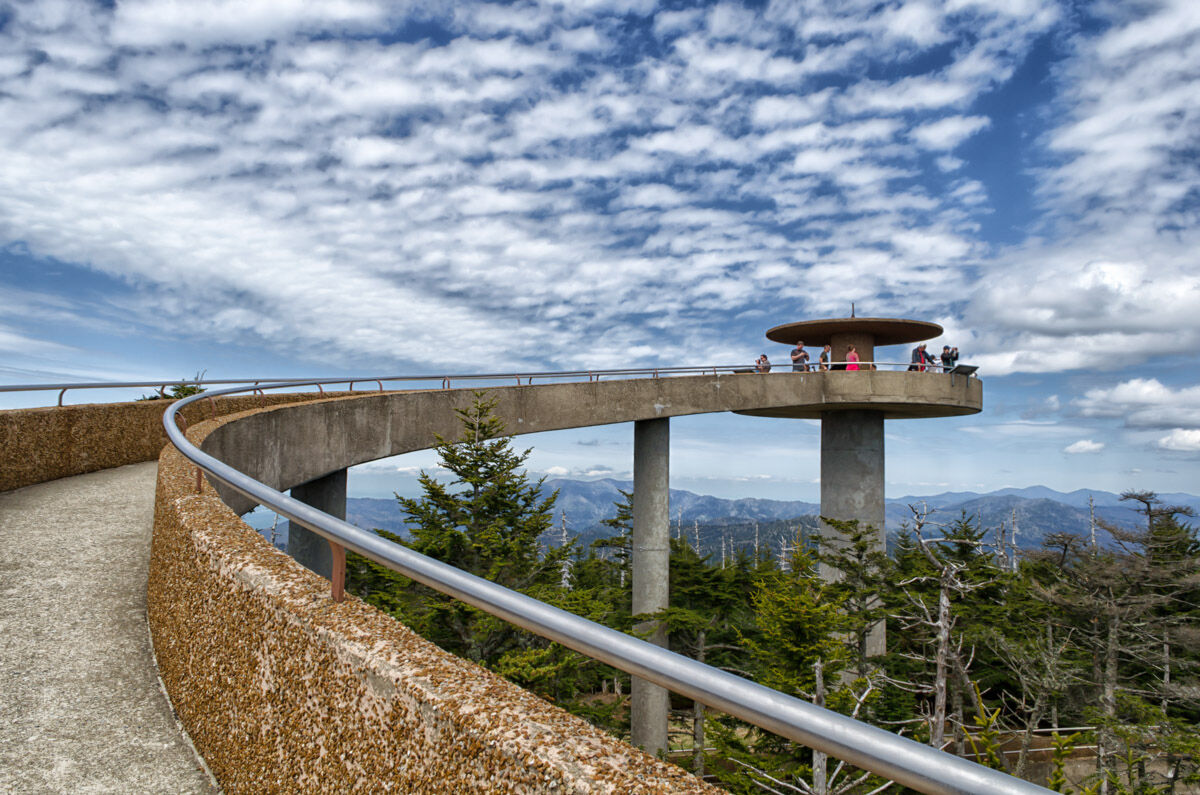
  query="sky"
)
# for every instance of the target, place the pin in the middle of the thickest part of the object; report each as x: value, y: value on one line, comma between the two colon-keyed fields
x: 277, y: 188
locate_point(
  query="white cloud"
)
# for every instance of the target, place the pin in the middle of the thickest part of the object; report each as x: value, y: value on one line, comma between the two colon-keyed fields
x: 1083, y: 447
x: 1184, y: 440
x: 147, y: 23
x: 908, y: 94
x: 949, y: 132
x: 670, y: 22
x: 1144, y: 403
x: 14, y: 342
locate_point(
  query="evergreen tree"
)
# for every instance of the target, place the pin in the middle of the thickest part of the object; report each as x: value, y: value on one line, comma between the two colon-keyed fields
x: 797, y: 646
x: 860, y: 570
x: 486, y: 521
x: 707, y: 612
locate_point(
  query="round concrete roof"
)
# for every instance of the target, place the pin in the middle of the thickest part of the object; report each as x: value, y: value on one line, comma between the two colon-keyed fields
x: 885, y: 330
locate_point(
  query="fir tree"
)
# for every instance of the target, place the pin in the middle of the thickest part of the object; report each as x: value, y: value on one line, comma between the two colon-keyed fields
x: 486, y: 521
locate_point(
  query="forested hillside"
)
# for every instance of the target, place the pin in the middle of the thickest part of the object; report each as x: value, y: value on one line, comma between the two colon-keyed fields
x: 1074, y: 664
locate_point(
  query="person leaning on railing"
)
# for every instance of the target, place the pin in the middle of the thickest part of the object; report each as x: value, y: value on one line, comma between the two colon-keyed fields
x: 922, y: 360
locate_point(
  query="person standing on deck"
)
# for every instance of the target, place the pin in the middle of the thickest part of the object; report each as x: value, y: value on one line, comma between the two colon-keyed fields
x: 949, y: 358
x: 799, y: 359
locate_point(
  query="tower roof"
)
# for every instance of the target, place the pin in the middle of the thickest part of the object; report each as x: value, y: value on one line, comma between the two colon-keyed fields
x: 885, y: 330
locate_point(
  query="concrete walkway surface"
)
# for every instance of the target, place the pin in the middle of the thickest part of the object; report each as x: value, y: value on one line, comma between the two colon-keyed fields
x: 81, y: 709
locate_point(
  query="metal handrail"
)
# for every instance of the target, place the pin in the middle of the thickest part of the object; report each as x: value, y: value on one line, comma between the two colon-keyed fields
x: 900, y: 759
x: 445, y: 379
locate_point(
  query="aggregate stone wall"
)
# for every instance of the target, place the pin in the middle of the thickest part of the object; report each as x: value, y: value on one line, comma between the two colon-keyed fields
x: 43, y: 444
x: 283, y: 690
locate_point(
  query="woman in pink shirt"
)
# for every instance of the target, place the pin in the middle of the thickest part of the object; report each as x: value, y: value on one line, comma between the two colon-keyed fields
x: 852, y: 359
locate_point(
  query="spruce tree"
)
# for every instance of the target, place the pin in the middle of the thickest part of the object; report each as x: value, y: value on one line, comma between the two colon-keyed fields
x: 485, y: 521
x: 861, y: 570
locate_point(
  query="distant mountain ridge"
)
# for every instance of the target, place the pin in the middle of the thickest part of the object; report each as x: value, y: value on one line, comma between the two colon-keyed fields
x: 1039, y: 511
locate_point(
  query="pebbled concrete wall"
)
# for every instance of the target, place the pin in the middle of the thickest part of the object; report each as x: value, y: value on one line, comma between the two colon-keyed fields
x: 282, y: 690
x: 41, y: 444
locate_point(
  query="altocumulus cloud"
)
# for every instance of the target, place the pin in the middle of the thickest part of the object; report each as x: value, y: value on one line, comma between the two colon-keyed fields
x: 1184, y: 440
x: 496, y: 185
x: 1083, y: 446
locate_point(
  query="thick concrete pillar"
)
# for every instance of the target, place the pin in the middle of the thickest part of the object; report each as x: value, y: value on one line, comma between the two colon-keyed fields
x: 863, y: 342
x: 649, y: 704
x: 326, y: 494
x: 852, y: 481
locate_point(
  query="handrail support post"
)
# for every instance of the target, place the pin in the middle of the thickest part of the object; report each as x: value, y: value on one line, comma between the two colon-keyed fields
x: 337, y: 576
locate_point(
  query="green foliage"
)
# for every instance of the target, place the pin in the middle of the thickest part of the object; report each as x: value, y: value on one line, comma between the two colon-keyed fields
x: 861, y: 574
x: 799, y: 621
x: 178, y: 391
x: 986, y: 741
x: 1063, y: 748
x: 486, y: 521
x: 1102, y: 635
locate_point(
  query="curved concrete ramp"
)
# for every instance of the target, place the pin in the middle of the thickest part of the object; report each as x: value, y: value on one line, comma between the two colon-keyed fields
x: 82, y: 710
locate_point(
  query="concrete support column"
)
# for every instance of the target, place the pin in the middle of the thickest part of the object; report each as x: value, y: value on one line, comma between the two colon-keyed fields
x: 649, y: 704
x: 852, y: 481
x: 326, y: 494
x: 864, y: 344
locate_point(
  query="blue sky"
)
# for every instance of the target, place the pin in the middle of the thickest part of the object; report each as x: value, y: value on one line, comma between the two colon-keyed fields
x: 289, y: 188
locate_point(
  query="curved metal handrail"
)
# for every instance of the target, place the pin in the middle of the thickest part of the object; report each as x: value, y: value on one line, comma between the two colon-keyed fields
x: 897, y: 758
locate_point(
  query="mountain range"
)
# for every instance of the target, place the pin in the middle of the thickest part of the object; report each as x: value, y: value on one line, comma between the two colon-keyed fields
x: 1038, y: 512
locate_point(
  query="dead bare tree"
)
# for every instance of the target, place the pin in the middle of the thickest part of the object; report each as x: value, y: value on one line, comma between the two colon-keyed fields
x: 843, y: 780
x: 953, y: 584
x: 1039, y: 663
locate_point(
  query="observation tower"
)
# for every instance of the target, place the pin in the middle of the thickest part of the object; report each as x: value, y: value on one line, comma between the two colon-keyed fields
x: 855, y: 404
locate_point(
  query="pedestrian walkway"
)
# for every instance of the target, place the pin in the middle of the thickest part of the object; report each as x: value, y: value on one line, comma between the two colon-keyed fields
x: 81, y: 709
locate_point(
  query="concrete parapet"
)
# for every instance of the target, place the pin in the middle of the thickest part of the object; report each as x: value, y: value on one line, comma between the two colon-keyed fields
x: 41, y: 444
x: 283, y: 690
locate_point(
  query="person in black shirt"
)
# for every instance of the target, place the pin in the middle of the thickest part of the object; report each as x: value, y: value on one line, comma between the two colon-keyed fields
x: 949, y: 358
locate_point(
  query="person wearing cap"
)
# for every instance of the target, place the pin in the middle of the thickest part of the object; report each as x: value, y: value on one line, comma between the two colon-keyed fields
x: 799, y: 359
x: 949, y: 358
